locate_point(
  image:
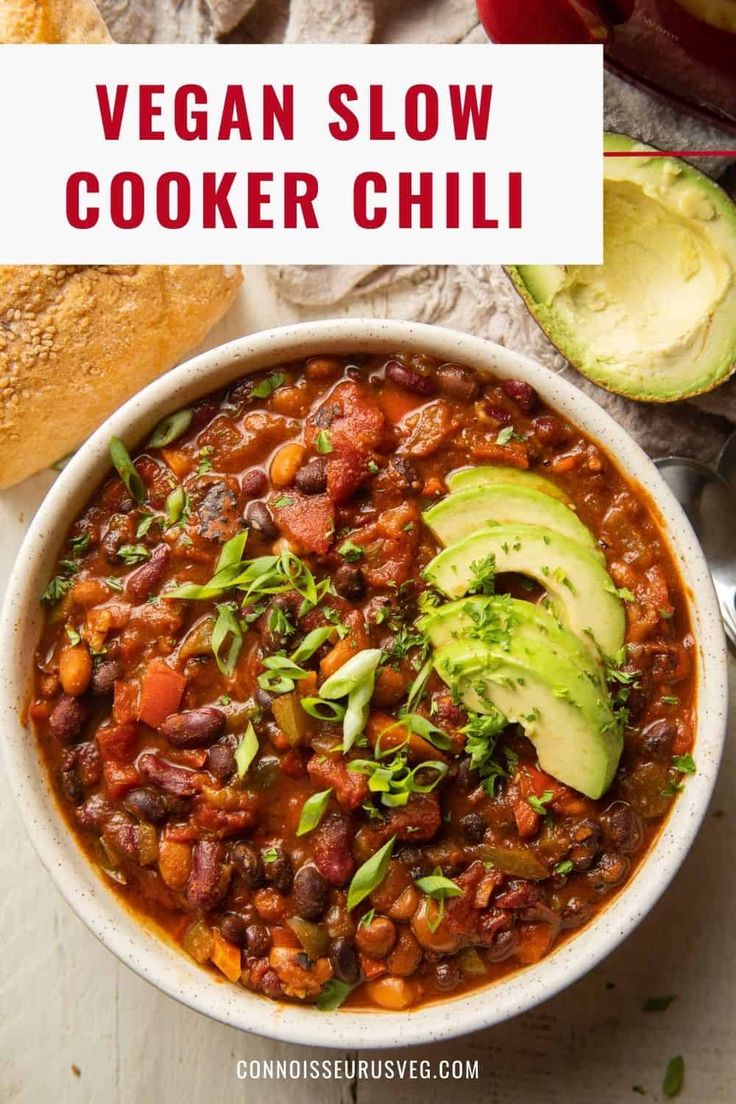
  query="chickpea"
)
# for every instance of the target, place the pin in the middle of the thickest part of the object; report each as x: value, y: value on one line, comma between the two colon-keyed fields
x: 405, y: 905
x: 377, y: 938
x: 392, y: 993
x: 286, y: 464
x: 442, y: 939
x: 406, y: 955
x: 75, y: 669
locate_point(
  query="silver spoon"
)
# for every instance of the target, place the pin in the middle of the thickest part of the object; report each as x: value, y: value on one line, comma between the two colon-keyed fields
x: 709, y: 501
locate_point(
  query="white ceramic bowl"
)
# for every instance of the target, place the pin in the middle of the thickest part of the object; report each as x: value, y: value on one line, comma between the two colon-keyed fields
x: 168, y: 968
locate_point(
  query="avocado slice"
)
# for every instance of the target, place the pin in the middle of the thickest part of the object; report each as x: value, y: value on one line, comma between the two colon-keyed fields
x: 657, y: 320
x: 574, y: 731
x: 459, y: 514
x: 575, y: 578
x: 495, y: 617
x: 497, y: 473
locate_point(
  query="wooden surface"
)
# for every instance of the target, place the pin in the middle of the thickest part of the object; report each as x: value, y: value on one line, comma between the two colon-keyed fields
x: 78, y: 1027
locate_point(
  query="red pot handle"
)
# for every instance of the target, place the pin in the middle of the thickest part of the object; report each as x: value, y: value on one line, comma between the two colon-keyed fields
x: 574, y: 21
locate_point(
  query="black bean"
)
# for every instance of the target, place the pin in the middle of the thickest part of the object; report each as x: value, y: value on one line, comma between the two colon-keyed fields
x: 446, y: 976
x: 411, y: 379
x: 312, y: 478
x: 221, y: 761
x: 410, y: 480
x: 278, y: 869
x: 473, y: 827
x: 344, y: 960
x: 67, y: 719
x: 349, y: 582
x: 194, y: 728
x: 623, y: 826
x: 248, y: 863
x: 258, y: 517
x: 657, y: 738
x: 458, y: 383
x: 257, y: 940
x: 120, y: 531
x: 146, y: 804
x: 638, y: 693
x: 311, y: 892
x: 234, y: 928
x: 104, y: 676
x: 467, y: 778
x: 609, y: 871
x: 586, y: 842
x: 263, y: 700
x: 270, y: 984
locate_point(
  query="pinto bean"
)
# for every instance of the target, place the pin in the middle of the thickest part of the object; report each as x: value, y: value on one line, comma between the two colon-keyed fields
x: 257, y: 940
x: 349, y: 582
x: 254, y: 483
x: 279, y: 871
x: 458, y: 383
x: 406, y: 955
x: 522, y: 393
x: 147, y: 804
x: 67, y: 719
x: 171, y: 779
x: 194, y: 728
x: 104, y: 676
x: 623, y: 827
x: 258, y: 517
x: 377, y: 938
x: 332, y: 854
x: 609, y: 871
x: 208, y: 879
x: 248, y: 863
x: 411, y: 379
x: 344, y: 960
x: 148, y: 577
x: 75, y: 669
x: 312, y: 478
x: 311, y: 892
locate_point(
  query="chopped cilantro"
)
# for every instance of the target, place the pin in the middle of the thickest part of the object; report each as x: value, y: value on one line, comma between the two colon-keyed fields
x: 323, y: 442
x: 264, y: 388
x: 351, y: 551
x: 539, y: 804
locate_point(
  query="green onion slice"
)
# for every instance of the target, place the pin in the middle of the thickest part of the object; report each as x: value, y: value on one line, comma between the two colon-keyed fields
x: 126, y: 470
x: 313, y: 809
x: 246, y: 750
x: 170, y: 428
x: 370, y: 875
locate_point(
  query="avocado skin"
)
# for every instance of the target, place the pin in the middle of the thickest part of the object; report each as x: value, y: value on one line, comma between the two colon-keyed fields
x: 569, y: 721
x: 712, y: 358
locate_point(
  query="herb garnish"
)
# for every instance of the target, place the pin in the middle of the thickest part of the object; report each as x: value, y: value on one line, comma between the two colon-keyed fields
x: 170, y: 428
x: 264, y: 388
x: 313, y: 809
x: 126, y: 470
x: 370, y: 875
x: 246, y: 750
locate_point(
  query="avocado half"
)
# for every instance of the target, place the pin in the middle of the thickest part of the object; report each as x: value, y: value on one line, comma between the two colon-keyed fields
x: 657, y: 320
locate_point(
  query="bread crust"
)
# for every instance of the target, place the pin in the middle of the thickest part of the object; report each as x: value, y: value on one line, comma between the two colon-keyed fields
x: 52, y: 21
x: 76, y: 342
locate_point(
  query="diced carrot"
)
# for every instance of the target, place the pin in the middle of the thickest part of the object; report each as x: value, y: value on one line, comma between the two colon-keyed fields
x: 162, y: 689
x: 396, y: 403
x: 527, y: 821
x: 355, y: 641
x: 392, y: 734
x: 119, y: 778
x: 534, y: 942
x: 180, y: 462
x: 88, y: 592
x: 372, y: 967
x: 567, y: 463
x: 225, y: 956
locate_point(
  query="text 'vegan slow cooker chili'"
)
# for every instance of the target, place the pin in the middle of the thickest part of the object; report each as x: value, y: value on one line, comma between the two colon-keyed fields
x: 239, y: 708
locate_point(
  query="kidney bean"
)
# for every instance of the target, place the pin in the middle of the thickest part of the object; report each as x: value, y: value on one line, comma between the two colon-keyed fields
x: 104, y: 676
x: 406, y: 955
x: 497, y: 413
x: 473, y: 827
x: 270, y: 985
x: 254, y: 483
x: 234, y: 928
x: 147, y: 804
x: 121, y: 834
x: 377, y: 938
x: 67, y: 719
x: 312, y: 478
x: 410, y: 481
x: 258, y: 517
x: 623, y: 827
x: 194, y: 728
x: 331, y: 849
x: 148, y: 577
x: 94, y: 812
x: 447, y: 976
x: 344, y: 960
x: 69, y: 780
x: 257, y: 940
x: 657, y: 738
x: 609, y: 871
x: 248, y: 863
x: 279, y: 871
x: 550, y: 430
x: 349, y: 582
x: 173, y: 780
x: 221, y: 761
x: 209, y: 877
x: 522, y: 393
x: 311, y: 892
x: 458, y: 383
x: 411, y: 379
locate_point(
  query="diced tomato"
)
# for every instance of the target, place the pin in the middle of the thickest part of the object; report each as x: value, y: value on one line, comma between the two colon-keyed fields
x: 372, y: 967
x: 347, y: 470
x: 125, y: 702
x: 307, y: 520
x: 118, y: 741
x: 390, y: 545
x: 162, y: 689
x: 527, y: 821
x: 683, y: 741
x: 351, y: 788
x: 352, y: 417
x: 283, y: 937
x: 119, y: 778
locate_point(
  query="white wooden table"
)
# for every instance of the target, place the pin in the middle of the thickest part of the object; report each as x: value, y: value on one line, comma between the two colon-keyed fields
x: 79, y: 1027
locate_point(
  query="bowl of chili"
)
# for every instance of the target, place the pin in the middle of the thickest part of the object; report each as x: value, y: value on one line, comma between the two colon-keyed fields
x: 380, y: 678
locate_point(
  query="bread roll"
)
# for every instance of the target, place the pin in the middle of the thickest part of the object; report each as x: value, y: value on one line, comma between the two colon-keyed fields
x: 76, y: 342
x: 51, y: 21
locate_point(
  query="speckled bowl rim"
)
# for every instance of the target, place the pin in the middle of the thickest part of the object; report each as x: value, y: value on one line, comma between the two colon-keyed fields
x: 142, y: 948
